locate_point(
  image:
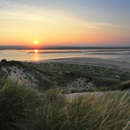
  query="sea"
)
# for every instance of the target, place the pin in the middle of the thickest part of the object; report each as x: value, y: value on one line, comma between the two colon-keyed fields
x: 41, y: 55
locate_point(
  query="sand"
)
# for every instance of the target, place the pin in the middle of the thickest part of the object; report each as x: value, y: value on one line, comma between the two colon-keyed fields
x: 18, y: 74
x: 71, y: 96
x: 121, y: 65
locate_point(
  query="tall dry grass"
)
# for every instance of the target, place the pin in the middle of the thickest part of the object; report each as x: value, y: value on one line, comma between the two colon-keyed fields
x: 23, y: 107
x: 17, y: 104
x: 90, y: 112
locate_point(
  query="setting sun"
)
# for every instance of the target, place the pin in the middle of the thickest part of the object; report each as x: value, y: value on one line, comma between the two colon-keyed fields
x: 36, y: 42
x: 36, y: 51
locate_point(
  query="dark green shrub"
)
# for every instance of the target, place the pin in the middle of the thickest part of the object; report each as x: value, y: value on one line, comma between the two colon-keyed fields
x: 103, y: 88
x: 124, y: 85
x: 105, y: 81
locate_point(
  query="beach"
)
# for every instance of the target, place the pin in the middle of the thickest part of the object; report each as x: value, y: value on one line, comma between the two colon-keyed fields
x: 121, y: 65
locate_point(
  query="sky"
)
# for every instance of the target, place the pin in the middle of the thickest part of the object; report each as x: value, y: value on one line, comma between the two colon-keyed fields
x: 65, y: 22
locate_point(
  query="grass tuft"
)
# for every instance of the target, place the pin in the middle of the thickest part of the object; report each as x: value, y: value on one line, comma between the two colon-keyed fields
x: 23, y: 107
x: 16, y: 104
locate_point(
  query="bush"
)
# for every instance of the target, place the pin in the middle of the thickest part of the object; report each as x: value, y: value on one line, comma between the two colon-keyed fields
x: 75, y: 90
x: 102, y: 89
x: 124, y: 85
x: 4, y: 60
x: 105, y: 81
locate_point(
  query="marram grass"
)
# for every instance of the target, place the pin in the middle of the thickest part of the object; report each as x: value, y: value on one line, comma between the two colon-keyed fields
x: 17, y: 103
x: 108, y: 112
x: 24, y: 108
x: 94, y: 112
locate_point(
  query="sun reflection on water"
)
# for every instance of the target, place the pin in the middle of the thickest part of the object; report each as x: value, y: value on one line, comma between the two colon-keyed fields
x: 36, y: 55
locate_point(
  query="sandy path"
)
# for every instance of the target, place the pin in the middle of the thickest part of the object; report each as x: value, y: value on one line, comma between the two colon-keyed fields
x: 121, y: 65
x: 74, y: 95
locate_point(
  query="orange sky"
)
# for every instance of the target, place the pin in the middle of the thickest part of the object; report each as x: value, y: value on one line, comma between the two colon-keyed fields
x: 22, y: 24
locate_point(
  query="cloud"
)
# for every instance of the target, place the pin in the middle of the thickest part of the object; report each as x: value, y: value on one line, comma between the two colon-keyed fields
x: 14, y: 10
x: 18, y: 11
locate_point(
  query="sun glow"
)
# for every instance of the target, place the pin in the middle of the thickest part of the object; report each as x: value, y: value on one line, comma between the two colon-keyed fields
x: 36, y: 42
x: 35, y: 51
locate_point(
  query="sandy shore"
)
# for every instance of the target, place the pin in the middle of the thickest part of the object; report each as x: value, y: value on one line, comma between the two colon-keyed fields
x: 121, y: 65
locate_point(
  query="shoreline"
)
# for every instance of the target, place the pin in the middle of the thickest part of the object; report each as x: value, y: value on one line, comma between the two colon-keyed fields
x: 121, y: 65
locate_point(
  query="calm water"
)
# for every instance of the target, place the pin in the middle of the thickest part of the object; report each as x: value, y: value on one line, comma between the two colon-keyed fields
x: 38, y: 55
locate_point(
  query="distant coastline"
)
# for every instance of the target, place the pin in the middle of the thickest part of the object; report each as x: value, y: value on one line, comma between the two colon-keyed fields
x: 36, y: 54
x: 2, y: 47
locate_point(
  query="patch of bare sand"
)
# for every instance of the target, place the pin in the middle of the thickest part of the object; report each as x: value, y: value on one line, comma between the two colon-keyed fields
x: 16, y: 73
x: 72, y: 96
x: 75, y: 95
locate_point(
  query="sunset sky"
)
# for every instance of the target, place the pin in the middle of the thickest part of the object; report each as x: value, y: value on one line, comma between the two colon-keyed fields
x: 65, y: 22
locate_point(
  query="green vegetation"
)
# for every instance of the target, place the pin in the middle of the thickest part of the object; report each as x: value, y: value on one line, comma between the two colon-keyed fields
x: 44, y: 106
x: 44, y: 83
x: 17, y: 102
x: 69, y: 76
x: 62, y: 75
x: 123, y: 85
x: 24, y: 107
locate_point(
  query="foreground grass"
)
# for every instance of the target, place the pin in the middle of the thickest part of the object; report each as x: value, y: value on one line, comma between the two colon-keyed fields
x: 25, y: 108
x: 17, y: 104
